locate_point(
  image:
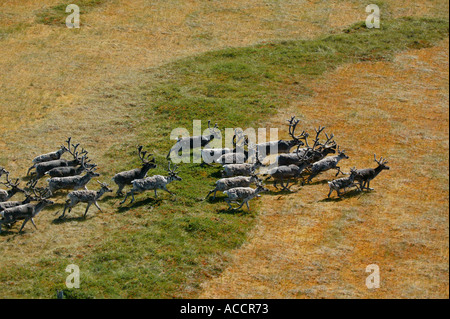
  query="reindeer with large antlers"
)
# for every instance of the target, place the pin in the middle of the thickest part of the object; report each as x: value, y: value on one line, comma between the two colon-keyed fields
x: 313, y: 154
x: 43, y: 168
x: 126, y: 178
x: 365, y: 176
x: 283, y: 146
x: 25, y: 212
x: 153, y: 183
x: 88, y: 197
x: 14, y: 189
x: 196, y: 141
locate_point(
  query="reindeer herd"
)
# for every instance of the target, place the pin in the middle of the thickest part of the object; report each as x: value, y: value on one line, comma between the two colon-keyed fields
x: 296, y: 160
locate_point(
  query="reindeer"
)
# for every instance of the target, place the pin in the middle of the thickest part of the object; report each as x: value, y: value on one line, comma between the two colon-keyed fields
x: 25, y: 212
x: 14, y: 189
x: 43, y: 168
x: 365, y: 176
x: 343, y: 183
x: 225, y: 184
x: 153, y: 183
x: 285, y: 173
x: 71, y: 182
x: 327, y: 164
x: 195, y: 141
x: 88, y: 197
x: 246, y: 169
x: 243, y: 193
x: 283, y: 146
x: 28, y: 199
x: 239, y: 155
x: 70, y: 170
x: 126, y: 178
x: 313, y: 154
x: 49, y: 157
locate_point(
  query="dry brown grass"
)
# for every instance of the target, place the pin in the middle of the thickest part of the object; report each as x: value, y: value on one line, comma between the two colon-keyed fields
x: 307, y: 247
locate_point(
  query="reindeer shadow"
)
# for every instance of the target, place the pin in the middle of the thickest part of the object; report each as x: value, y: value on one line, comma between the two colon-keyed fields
x: 347, y: 195
x: 69, y: 219
x: 217, y: 174
x: 152, y: 202
x: 237, y: 212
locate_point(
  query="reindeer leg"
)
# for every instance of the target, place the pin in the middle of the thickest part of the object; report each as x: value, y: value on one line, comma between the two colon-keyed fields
x: 28, y: 173
x: 165, y: 188
x: 368, y: 186
x: 126, y: 197
x: 32, y: 221
x: 248, y: 207
x: 119, y: 191
x: 338, y: 171
x: 98, y: 207
x: 331, y: 191
x: 87, y: 209
x: 229, y: 203
x: 240, y: 206
x: 23, y: 225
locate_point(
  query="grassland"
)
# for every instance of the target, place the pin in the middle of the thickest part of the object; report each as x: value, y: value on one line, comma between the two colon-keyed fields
x: 163, y: 248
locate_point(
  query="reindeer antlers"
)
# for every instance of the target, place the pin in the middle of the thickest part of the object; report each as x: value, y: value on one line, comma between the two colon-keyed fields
x: 143, y: 155
x: 9, y: 183
x: 172, y: 170
x: 74, y: 152
x: 382, y: 161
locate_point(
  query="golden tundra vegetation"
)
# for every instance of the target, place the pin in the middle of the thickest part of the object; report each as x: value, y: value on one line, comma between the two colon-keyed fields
x: 124, y: 78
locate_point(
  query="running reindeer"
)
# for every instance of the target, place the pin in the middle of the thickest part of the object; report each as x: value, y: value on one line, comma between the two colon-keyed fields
x: 153, y: 183
x: 246, y: 169
x: 49, y: 157
x: 243, y: 193
x: 126, y: 178
x: 42, y: 168
x: 28, y: 199
x: 195, y: 141
x: 88, y: 197
x: 70, y: 170
x: 239, y: 155
x: 365, y: 176
x: 283, y: 146
x: 315, y: 153
x: 285, y: 173
x: 5, y: 195
x: 225, y: 184
x: 326, y: 164
x: 71, y: 182
x: 25, y: 212
x: 343, y: 183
